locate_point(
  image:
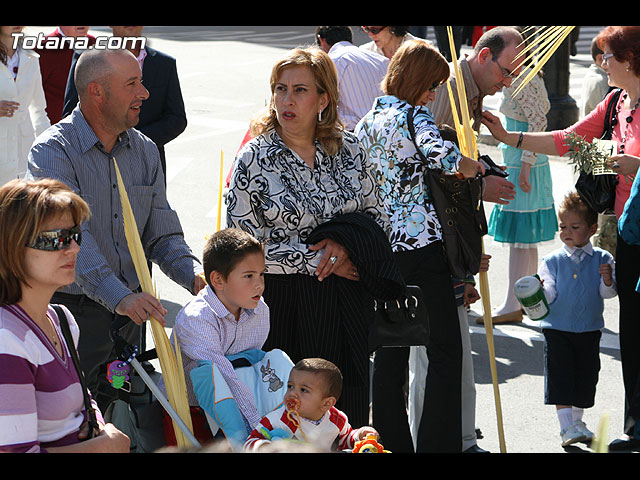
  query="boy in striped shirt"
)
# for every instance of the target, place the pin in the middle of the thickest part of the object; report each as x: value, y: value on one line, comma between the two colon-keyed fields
x: 227, y: 317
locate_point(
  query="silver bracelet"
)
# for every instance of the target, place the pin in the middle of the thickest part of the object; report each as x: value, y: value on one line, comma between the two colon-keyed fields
x: 520, y: 140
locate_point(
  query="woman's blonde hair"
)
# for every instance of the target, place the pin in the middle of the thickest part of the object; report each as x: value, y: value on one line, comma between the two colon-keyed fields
x: 25, y: 207
x: 329, y: 129
x: 414, y: 68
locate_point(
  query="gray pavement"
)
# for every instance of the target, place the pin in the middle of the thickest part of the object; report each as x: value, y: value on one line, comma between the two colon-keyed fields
x: 224, y: 74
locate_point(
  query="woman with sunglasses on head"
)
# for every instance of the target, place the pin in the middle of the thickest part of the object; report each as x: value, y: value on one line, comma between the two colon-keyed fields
x: 621, y: 61
x: 415, y: 72
x: 386, y: 40
x: 42, y: 404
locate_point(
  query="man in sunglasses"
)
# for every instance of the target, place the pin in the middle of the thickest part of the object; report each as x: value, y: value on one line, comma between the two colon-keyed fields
x: 81, y: 151
x: 492, y: 65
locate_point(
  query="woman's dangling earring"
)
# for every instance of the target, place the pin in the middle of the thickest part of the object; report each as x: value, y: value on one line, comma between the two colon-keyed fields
x: 319, y: 115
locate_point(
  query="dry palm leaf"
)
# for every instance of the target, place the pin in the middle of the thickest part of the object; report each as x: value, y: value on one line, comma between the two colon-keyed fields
x: 600, y: 444
x: 170, y: 361
x: 468, y: 147
x: 463, y: 126
x: 219, y: 219
x: 540, y: 47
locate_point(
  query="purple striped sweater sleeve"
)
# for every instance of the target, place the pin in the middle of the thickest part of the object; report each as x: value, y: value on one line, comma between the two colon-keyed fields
x: 41, y: 401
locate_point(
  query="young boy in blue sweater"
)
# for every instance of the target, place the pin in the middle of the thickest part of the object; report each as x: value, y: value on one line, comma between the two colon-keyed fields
x: 576, y: 278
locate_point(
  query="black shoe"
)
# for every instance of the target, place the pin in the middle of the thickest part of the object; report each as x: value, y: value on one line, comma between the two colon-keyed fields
x: 624, y: 444
x: 475, y: 449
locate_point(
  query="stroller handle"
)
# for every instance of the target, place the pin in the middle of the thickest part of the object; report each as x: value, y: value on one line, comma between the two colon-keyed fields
x: 123, y: 348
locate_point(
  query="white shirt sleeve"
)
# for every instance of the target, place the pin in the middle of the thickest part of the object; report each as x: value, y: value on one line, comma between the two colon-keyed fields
x: 548, y: 282
x: 612, y: 290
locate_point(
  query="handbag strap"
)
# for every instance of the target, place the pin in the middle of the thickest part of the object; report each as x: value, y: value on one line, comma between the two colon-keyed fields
x: 412, y: 132
x: 66, y: 332
x: 611, y: 114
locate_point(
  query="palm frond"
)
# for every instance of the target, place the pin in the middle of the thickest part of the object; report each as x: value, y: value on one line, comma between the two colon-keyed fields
x: 170, y: 362
x: 540, y: 47
x: 468, y: 147
x: 463, y: 125
x: 220, y: 189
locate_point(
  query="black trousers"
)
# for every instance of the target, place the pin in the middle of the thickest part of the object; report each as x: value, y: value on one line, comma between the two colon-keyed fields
x: 627, y: 275
x: 440, y: 428
x: 95, y: 348
x: 572, y: 366
x: 327, y: 320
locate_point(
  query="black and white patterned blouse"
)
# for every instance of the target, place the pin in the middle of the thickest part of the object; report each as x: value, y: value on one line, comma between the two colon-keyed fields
x: 275, y: 196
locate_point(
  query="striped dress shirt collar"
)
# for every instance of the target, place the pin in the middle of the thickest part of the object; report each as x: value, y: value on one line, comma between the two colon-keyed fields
x: 87, y: 137
x: 105, y: 270
x: 219, y: 308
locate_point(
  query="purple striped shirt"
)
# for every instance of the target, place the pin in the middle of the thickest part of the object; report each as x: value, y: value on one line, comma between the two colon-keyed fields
x: 41, y: 401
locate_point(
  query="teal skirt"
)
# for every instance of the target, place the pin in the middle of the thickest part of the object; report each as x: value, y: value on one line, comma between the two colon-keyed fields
x: 530, y: 218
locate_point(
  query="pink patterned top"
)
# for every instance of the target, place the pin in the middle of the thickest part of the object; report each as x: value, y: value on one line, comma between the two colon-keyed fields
x: 592, y: 127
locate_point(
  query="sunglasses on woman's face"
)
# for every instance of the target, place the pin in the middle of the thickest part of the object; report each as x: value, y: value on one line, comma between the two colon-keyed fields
x: 373, y: 30
x: 60, y: 239
x: 434, y: 86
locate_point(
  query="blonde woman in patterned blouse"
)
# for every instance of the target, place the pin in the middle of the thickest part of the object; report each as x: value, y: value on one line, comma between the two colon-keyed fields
x: 301, y: 170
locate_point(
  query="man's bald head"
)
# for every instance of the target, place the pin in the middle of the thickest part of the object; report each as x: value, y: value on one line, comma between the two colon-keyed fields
x: 499, y: 38
x: 493, y: 62
x: 95, y: 65
x: 109, y: 85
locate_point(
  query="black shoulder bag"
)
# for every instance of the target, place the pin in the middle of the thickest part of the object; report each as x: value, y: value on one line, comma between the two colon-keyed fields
x: 599, y: 191
x: 94, y: 429
x: 458, y: 205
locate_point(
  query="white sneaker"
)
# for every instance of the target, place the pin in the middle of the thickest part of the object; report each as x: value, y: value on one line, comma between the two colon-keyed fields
x: 571, y: 435
x: 582, y: 427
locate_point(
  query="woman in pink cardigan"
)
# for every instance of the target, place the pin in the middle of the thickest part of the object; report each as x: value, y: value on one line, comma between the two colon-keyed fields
x: 621, y: 61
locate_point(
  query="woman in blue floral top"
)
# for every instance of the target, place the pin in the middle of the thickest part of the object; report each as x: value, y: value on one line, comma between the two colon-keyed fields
x: 415, y: 72
x: 300, y: 171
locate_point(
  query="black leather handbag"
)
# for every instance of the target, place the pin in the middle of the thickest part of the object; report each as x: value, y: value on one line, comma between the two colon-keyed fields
x: 460, y: 211
x: 400, y: 323
x: 599, y: 191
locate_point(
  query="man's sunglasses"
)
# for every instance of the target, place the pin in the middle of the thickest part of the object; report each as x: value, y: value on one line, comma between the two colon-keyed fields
x: 373, y: 30
x: 60, y: 239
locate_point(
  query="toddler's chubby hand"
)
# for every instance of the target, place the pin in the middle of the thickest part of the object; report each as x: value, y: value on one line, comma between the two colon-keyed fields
x: 366, y: 431
x: 607, y: 274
